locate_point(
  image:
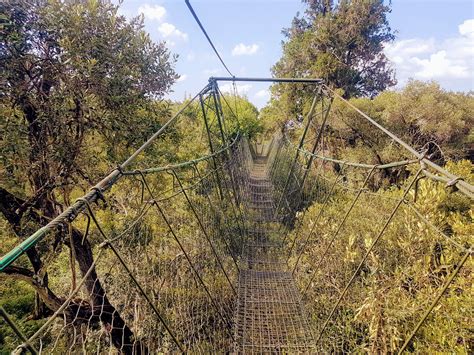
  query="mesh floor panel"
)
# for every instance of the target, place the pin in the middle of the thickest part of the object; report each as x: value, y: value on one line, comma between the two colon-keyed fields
x: 270, y: 317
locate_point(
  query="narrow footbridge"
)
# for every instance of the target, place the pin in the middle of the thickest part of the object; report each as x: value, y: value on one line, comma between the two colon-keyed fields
x: 270, y: 314
x: 279, y: 246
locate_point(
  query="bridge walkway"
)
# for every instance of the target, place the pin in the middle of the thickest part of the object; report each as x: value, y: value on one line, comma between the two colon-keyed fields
x: 270, y: 317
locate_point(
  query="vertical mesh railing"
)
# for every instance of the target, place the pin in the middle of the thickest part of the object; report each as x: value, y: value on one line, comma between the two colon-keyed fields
x: 163, y: 268
x: 152, y: 266
x: 380, y: 267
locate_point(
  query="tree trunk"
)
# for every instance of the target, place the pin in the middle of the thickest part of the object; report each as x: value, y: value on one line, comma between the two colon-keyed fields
x: 98, y: 308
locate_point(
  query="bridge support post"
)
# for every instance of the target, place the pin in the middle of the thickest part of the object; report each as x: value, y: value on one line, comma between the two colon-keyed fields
x: 219, y: 113
x: 211, y: 146
x: 221, y: 121
x: 303, y: 136
x: 325, y: 115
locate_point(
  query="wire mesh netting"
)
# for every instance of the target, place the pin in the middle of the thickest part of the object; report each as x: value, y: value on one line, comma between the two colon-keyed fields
x: 152, y: 265
x: 270, y: 316
x: 373, y: 247
x: 161, y: 269
x: 281, y: 247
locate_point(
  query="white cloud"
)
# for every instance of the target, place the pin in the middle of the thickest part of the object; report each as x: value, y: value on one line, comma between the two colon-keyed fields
x: 467, y: 28
x: 409, y: 47
x: 242, y: 49
x: 169, y: 30
x: 449, y: 61
x: 170, y: 44
x: 182, y: 77
x: 152, y: 12
x: 262, y: 94
x: 439, y: 66
x: 242, y: 89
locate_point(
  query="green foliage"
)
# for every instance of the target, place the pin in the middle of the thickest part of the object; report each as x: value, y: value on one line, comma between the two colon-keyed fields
x: 90, y: 74
x: 239, y: 115
x: 428, y: 118
x: 242, y: 116
x: 401, y: 276
x: 17, y: 299
x: 425, y: 114
x: 422, y: 114
x: 274, y: 116
x: 340, y: 42
x: 81, y: 88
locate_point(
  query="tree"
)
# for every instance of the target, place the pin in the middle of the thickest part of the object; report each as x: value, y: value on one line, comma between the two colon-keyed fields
x: 431, y: 119
x: 340, y: 42
x: 241, y: 116
x: 75, y: 75
x: 428, y: 118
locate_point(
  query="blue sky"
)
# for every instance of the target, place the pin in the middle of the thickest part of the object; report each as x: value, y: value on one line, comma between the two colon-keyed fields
x: 435, y: 40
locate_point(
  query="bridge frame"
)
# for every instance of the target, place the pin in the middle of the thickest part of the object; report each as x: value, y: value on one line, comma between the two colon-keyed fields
x: 267, y: 80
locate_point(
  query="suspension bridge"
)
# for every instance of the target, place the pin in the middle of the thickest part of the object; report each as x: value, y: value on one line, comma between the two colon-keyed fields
x: 217, y: 255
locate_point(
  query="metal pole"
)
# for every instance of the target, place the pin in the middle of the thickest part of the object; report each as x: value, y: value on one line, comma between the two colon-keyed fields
x: 218, y: 112
x: 318, y: 139
x: 211, y: 147
x: 310, y: 117
x: 269, y: 80
x: 220, y: 119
